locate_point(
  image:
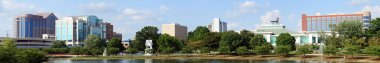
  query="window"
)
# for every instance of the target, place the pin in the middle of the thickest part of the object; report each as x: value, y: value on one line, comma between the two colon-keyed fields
x: 313, y: 39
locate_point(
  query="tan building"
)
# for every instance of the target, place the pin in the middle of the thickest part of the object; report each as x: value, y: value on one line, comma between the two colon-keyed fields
x: 176, y: 30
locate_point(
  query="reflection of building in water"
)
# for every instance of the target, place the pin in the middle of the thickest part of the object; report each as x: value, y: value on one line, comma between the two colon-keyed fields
x: 148, y: 61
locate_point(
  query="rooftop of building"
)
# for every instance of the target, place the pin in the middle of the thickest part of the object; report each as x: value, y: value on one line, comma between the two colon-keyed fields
x: 42, y: 15
x: 274, y: 28
x: 364, y: 13
x: 2, y: 38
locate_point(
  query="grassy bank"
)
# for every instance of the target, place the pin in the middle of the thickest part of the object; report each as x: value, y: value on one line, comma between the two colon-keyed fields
x: 234, y: 57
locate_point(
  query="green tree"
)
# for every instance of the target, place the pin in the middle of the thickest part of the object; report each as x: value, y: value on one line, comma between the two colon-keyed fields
x: 94, y: 41
x: 351, y: 50
x: 330, y: 50
x: 332, y: 40
x: 354, y: 41
x: 205, y: 50
x: 186, y: 50
x: 231, y: 39
x: 257, y: 40
x: 198, y: 33
x: 242, y: 50
x: 166, y: 42
x: 246, y: 37
x: 94, y: 45
x: 85, y: 51
x: 349, y: 29
x: 31, y: 56
x: 10, y: 54
x: 201, y: 37
x: 303, y: 49
x: 285, y: 39
x: 374, y: 41
x: 374, y: 29
x: 56, y: 50
x: 9, y: 43
x: 131, y: 51
x: 373, y: 50
x: 113, y: 51
x: 211, y: 41
x: 266, y: 48
x: 58, y: 44
x: 167, y: 50
x: 282, y: 50
x: 115, y: 43
x: 224, y: 49
x: 95, y: 52
x: 75, y: 50
x: 146, y: 33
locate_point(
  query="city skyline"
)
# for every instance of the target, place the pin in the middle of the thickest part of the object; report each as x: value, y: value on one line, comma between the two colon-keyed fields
x: 130, y: 16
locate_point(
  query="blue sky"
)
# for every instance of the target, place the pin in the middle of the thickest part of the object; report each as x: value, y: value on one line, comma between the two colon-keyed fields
x: 129, y: 16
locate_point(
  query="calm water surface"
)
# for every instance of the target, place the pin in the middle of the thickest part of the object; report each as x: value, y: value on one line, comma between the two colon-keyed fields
x: 175, y: 61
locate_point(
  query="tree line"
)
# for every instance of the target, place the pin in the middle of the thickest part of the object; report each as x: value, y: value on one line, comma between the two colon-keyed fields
x: 94, y: 46
x: 347, y: 38
x: 201, y: 40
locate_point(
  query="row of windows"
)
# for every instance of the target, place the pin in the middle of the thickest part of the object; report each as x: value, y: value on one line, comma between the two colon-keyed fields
x: 31, y: 19
x: 326, y: 23
x: 334, y: 18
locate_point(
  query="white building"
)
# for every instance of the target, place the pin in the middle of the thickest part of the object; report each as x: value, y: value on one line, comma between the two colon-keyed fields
x: 217, y: 25
x: 274, y: 29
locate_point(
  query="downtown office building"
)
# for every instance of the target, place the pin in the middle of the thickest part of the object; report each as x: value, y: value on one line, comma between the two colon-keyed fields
x: 74, y: 29
x: 312, y: 25
x: 217, y: 25
x: 176, y: 30
x: 34, y: 26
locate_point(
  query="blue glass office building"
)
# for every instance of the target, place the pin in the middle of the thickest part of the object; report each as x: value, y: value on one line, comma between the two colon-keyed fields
x: 74, y: 29
x: 33, y: 26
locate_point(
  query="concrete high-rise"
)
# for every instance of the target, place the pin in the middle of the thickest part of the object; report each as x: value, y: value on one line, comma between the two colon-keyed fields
x: 176, y: 30
x: 217, y: 25
x: 33, y: 26
x: 74, y: 30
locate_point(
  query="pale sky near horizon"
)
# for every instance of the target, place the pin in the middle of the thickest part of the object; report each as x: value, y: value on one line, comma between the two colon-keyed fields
x: 129, y: 16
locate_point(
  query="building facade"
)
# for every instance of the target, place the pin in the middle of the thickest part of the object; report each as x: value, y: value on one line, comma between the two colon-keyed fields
x: 176, y: 30
x: 312, y: 25
x: 117, y: 35
x: 217, y: 25
x: 74, y: 30
x: 326, y: 22
x: 31, y: 42
x: 109, y: 31
x: 126, y: 43
x: 272, y: 30
x: 33, y: 26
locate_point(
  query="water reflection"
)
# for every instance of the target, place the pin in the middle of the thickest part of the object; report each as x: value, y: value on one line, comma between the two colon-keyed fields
x: 176, y: 61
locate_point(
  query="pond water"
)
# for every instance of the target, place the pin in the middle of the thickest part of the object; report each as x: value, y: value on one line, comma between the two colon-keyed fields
x: 176, y: 61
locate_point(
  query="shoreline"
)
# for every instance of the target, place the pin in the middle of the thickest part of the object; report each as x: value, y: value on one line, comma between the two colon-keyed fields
x: 233, y: 57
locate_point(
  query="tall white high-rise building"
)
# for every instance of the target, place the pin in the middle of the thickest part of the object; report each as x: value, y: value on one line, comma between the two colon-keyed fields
x: 217, y: 25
